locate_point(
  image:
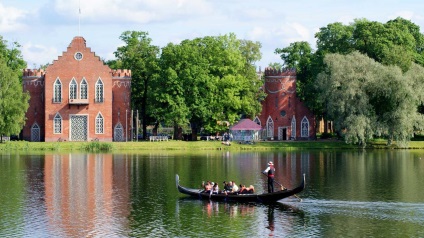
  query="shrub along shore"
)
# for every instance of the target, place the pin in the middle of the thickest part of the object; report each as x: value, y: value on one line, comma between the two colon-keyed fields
x: 96, y: 146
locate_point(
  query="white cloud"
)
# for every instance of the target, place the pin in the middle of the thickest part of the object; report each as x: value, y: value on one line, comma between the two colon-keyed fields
x: 39, y: 54
x: 408, y: 15
x: 292, y: 31
x: 131, y: 11
x: 10, y: 19
x: 258, y: 33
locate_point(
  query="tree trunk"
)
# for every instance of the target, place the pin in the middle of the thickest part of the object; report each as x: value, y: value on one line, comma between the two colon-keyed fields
x: 143, y: 109
x: 194, y: 131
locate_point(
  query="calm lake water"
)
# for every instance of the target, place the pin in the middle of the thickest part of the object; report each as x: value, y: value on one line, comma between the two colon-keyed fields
x: 348, y: 194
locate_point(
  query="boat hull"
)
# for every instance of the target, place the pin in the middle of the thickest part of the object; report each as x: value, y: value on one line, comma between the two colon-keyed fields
x: 260, y: 198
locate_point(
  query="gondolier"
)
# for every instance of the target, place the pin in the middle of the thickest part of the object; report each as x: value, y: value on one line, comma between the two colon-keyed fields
x: 270, y: 171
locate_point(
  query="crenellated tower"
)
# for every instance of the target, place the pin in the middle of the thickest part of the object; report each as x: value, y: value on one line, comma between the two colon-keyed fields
x: 283, y: 114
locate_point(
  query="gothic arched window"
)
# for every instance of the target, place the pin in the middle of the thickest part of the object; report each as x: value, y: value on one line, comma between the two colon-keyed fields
x: 57, y: 91
x: 99, y: 91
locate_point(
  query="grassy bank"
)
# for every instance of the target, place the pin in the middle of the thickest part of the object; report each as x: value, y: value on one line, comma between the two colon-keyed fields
x: 197, y: 145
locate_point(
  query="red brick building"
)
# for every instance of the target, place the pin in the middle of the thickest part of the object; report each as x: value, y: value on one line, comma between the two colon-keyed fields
x: 77, y: 98
x: 284, y: 116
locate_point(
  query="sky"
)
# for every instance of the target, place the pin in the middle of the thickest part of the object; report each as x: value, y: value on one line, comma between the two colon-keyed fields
x: 45, y: 28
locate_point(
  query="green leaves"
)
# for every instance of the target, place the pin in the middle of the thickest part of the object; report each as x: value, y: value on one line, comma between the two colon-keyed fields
x: 139, y: 55
x: 367, y: 99
x: 210, y: 79
x: 13, y: 101
x: 339, y: 83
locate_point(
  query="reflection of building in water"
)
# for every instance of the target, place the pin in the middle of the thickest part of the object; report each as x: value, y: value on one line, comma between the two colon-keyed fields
x: 80, y: 194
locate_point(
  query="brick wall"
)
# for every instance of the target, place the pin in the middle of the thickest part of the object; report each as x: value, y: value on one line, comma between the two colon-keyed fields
x: 33, y: 83
x: 66, y: 68
x: 282, y: 106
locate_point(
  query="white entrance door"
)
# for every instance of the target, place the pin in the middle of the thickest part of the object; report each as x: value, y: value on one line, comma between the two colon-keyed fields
x: 79, y: 128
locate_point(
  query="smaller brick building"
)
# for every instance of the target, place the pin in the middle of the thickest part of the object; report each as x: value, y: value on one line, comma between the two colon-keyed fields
x: 77, y: 98
x: 284, y: 116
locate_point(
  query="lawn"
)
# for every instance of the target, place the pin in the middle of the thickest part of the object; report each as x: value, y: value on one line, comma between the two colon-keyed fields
x: 194, y: 145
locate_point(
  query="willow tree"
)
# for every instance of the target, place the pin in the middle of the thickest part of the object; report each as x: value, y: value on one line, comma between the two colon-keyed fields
x: 397, y: 42
x: 366, y: 99
x: 13, y: 101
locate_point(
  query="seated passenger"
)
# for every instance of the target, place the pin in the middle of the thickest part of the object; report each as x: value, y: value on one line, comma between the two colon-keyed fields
x: 228, y: 187
x: 245, y: 190
x: 251, y: 189
x: 215, y: 189
x: 207, y: 187
x: 235, y: 187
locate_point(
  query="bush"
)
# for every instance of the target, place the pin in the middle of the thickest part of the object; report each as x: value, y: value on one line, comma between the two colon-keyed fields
x: 326, y: 136
x: 95, y: 146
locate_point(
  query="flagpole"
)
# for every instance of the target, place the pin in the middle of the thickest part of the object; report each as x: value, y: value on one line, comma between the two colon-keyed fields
x: 79, y: 17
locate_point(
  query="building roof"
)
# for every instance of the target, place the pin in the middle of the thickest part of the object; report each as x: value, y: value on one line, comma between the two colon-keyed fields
x: 246, y: 125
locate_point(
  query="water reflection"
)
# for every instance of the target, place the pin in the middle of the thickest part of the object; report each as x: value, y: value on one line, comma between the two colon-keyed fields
x: 369, y: 193
x: 79, y: 194
x: 241, y: 219
x: 271, y: 218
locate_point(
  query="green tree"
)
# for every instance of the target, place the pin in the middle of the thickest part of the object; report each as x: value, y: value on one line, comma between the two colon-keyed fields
x: 209, y: 79
x: 139, y: 55
x: 275, y: 65
x: 365, y: 98
x: 389, y: 44
x: 397, y: 42
x: 13, y: 101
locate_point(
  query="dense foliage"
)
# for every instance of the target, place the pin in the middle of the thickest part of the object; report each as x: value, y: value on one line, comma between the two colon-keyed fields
x: 13, y: 101
x: 366, y: 76
x: 139, y: 55
x: 365, y: 98
x: 208, y: 80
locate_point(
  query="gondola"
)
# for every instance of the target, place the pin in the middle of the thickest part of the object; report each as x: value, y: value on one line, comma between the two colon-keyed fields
x: 260, y: 198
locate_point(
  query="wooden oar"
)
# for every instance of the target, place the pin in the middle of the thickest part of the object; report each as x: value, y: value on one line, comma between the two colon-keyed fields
x: 284, y: 188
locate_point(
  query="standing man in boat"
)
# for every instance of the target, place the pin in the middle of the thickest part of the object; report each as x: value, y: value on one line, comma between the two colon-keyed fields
x: 270, y: 171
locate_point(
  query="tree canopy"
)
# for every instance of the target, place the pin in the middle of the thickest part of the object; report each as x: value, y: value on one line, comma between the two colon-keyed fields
x: 13, y: 101
x: 366, y: 99
x: 392, y: 49
x: 139, y: 55
x: 206, y: 80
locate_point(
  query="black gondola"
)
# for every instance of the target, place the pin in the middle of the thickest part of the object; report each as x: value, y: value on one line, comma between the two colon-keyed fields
x: 262, y: 198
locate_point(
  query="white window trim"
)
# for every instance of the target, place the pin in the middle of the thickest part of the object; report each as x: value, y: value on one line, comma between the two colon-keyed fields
x: 86, y: 83
x: 302, y: 133
x: 54, y: 124
x: 76, y: 91
x: 293, y: 127
x: 54, y: 90
x: 99, y: 100
x: 270, y: 131
x: 103, y: 123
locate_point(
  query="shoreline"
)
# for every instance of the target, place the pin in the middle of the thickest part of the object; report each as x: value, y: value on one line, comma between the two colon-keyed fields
x: 197, y: 146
